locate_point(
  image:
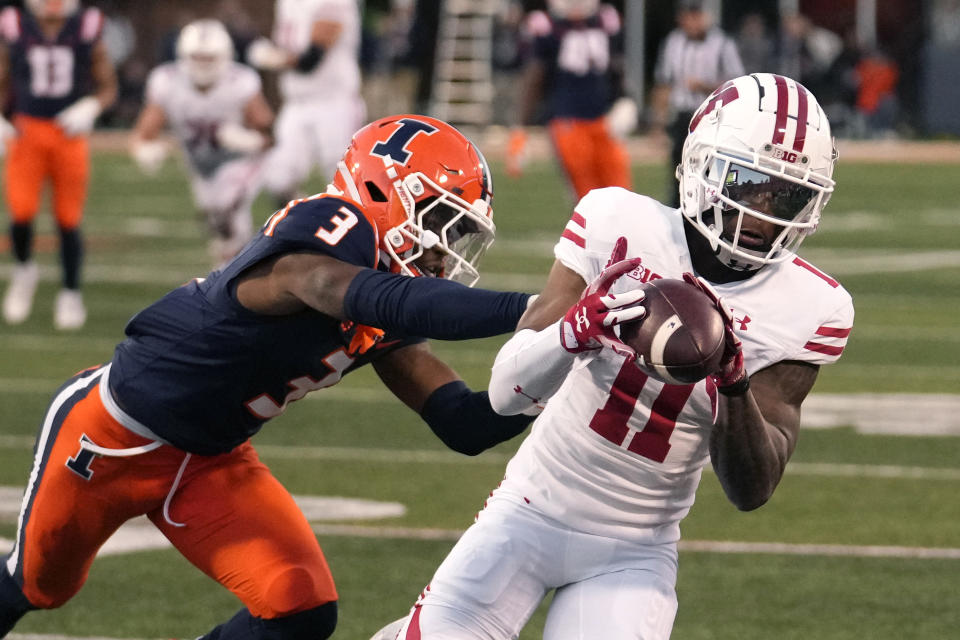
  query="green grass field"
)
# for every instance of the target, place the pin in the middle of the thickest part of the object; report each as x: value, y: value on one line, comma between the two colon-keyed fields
x: 870, y: 523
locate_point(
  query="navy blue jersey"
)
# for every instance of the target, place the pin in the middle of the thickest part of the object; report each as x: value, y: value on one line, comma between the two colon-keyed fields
x: 49, y: 75
x: 577, y: 57
x: 204, y: 373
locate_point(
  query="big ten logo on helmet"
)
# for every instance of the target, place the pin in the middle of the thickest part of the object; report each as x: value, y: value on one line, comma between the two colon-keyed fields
x: 395, y: 147
x: 785, y: 155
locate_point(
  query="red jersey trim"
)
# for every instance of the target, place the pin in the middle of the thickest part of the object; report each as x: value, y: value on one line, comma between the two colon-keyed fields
x: 823, y: 348
x: 574, y: 238
x: 812, y: 269
x: 833, y: 332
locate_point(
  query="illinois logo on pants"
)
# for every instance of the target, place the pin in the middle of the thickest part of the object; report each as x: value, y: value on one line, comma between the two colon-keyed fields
x: 226, y: 514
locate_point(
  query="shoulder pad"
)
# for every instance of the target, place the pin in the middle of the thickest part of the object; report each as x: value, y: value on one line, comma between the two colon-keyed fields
x: 325, y: 224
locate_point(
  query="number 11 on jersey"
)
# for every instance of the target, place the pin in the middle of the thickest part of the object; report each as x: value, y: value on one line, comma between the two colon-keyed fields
x: 653, y: 441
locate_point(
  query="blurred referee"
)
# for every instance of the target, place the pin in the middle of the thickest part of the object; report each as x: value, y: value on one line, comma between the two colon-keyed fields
x: 695, y: 59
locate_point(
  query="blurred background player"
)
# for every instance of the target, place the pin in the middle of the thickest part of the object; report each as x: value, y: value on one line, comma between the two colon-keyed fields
x: 221, y: 118
x: 315, y: 47
x: 55, y: 66
x: 574, y: 73
x: 164, y: 428
x: 695, y: 59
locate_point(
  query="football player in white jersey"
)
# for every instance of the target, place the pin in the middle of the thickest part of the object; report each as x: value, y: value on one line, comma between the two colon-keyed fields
x: 591, y: 503
x: 315, y: 47
x: 218, y: 113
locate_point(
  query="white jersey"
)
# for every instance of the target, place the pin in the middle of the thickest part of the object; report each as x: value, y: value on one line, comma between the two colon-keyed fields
x: 619, y: 454
x: 338, y: 71
x: 194, y: 115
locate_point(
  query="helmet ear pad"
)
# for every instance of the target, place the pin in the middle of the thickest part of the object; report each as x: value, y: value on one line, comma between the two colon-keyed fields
x: 385, y: 210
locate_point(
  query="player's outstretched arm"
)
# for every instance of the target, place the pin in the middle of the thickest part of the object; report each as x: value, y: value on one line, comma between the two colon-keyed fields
x: 757, y: 430
x: 531, y: 366
x: 463, y: 419
x: 423, y: 307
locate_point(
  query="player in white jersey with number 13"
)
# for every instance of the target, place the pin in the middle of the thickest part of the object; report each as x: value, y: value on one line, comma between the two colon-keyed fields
x: 591, y: 504
x: 315, y: 47
x: 219, y: 115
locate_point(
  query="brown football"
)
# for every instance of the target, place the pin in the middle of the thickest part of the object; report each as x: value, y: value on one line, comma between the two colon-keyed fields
x: 680, y: 338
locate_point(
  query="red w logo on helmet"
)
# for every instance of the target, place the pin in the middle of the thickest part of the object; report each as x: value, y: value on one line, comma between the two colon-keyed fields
x: 726, y: 94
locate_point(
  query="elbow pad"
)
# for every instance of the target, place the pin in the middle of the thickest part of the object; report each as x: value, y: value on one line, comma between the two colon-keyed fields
x: 465, y: 421
x: 529, y: 369
x: 430, y: 307
x: 309, y: 59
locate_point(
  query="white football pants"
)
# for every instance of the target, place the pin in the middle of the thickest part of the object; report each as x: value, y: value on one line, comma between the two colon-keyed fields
x: 505, y: 564
x: 226, y: 199
x: 308, y: 133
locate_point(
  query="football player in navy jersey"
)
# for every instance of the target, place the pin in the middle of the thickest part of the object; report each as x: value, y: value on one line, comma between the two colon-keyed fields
x: 575, y: 67
x: 56, y: 67
x: 163, y: 429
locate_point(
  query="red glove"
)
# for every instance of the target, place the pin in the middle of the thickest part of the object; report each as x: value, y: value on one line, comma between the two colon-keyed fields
x: 589, y: 324
x: 731, y: 378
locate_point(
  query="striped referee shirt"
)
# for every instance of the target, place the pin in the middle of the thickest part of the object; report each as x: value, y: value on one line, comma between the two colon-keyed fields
x: 712, y: 60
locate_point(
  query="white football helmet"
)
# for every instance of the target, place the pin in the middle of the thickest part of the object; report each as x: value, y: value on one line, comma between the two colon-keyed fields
x: 573, y: 9
x: 757, y: 142
x: 204, y: 50
x: 52, y: 8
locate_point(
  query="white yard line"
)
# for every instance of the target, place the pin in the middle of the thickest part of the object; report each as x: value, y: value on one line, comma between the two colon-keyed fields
x: 425, y: 456
x: 708, y: 546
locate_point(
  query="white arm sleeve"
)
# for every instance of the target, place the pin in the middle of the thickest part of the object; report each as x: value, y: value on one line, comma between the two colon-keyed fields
x: 529, y: 369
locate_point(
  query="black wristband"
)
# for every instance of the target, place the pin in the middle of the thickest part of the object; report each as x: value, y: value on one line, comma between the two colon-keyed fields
x: 309, y: 59
x: 465, y: 421
x: 738, y: 388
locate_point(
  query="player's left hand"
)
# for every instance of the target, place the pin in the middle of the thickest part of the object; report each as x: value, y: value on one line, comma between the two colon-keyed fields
x: 589, y: 324
x: 7, y: 131
x: 78, y: 118
x: 233, y: 136
x: 732, y: 375
x: 622, y: 117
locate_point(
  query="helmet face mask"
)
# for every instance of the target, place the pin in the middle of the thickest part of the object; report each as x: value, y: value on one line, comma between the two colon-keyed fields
x: 204, y: 50
x: 750, y: 182
x: 427, y: 191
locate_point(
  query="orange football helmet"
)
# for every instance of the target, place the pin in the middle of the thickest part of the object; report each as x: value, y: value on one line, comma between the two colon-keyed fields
x: 425, y: 188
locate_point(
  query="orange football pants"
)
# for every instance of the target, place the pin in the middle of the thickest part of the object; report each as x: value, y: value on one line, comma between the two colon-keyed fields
x: 228, y: 515
x: 39, y: 152
x: 589, y: 155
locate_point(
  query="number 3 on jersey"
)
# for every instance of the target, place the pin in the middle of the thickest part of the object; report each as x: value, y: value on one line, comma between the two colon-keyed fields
x: 341, y: 224
x: 338, y: 227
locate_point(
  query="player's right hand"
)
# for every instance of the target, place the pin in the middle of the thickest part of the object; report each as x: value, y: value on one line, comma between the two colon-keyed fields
x: 149, y: 155
x: 264, y: 54
x: 589, y: 324
x: 517, y: 153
